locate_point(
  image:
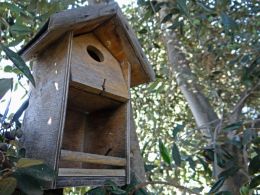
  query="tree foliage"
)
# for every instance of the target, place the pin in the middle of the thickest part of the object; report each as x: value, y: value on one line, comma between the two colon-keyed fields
x: 220, y: 43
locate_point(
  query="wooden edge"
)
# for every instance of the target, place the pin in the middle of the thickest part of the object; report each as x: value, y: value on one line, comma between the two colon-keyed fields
x: 91, y: 158
x: 89, y: 89
x: 65, y: 99
x: 72, y: 17
x: 136, y: 46
x: 87, y: 181
x: 69, y: 172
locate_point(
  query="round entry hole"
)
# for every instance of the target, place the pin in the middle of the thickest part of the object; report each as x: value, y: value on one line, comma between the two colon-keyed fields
x: 95, y: 53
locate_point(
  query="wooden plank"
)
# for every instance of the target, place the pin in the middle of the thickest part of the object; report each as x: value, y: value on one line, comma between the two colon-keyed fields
x: 43, y: 120
x: 104, y: 76
x: 91, y: 158
x: 73, y: 136
x: 109, y: 127
x: 83, y: 101
x: 139, y: 54
x: 83, y: 19
x: 91, y: 172
x: 87, y: 181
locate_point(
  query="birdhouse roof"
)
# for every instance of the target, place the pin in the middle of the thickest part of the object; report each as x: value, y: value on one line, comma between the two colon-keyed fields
x: 108, y: 25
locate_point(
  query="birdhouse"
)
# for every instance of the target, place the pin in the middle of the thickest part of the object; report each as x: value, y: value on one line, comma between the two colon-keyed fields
x: 85, y: 61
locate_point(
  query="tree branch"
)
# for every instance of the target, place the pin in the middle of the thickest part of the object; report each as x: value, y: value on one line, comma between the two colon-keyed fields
x: 141, y: 185
x: 234, y: 116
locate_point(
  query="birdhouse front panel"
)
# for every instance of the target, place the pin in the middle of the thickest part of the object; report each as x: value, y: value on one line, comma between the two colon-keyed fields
x: 78, y: 120
x: 95, y: 69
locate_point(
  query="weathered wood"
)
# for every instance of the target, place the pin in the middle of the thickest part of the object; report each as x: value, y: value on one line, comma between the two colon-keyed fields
x: 132, y: 39
x: 91, y: 158
x: 91, y: 172
x: 90, y: 181
x: 83, y: 101
x: 85, y: 20
x: 114, y: 37
x: 44, y: 119
x: 94, y: 76
x: 137, y: 163
x: 109, y: 126
x: 73, y: 136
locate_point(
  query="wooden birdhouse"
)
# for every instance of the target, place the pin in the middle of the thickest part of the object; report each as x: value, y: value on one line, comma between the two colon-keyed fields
x: 84, y: 62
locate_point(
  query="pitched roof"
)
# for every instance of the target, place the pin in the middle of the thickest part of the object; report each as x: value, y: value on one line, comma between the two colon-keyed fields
x: 108, y: 24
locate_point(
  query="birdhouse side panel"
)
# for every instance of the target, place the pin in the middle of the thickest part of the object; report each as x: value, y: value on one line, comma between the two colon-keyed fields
x: 44, y: 118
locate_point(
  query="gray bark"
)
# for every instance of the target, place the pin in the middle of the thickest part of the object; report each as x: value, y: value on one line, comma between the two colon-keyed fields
x: 203, y: 112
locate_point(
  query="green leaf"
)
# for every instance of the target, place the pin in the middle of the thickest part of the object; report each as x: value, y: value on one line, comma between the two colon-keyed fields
x: 8, y: 68
x: 191, y: 163
x: 176, y: 155
x: 167, y: 18
x: 176, y: 130
x: 217, y: 185
x: 254, y: 165
x: 20, y: 29
x: 205, y: 7
x: 26, y: 162
x: 5, y: 85
x: 149, y: 168
x: 255, y: 182
x: 233, y: 126
x: 182, y: 5
x: 164, y: 153
x: 19, y: 63
x: 28, y: 184
x: 248, y: 136
x: 97, y: 191
x: 244, y: 190
x: 20, y: 111
x: 41, y: 172
x: 7, y: 186
x: 229, y: 172
x: 228, y: 22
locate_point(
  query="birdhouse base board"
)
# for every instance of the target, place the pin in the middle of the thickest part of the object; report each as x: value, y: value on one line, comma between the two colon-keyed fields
x: 93, y: 181
x: 91, y: 172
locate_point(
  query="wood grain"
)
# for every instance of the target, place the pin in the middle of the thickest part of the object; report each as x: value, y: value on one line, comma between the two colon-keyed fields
x: 113, y: 27
x: 91, y: 172
x: 73, y: 156
x: 43, y: 120
x: 87, y: 181
x: 105, y: 77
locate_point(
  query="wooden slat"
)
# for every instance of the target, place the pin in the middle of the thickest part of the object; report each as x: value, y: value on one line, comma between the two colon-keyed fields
x: 87, y: 181
x: 91, y: 158
x: 91, y: 172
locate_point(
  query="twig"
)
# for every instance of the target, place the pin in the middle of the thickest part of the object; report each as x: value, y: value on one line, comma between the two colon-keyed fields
x: 141, y: 185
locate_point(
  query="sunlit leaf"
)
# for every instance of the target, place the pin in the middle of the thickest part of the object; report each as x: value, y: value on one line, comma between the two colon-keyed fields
x: 164, y: 152
x: 182, y: 5
x: 19, y: 63
x: 176, y: 155
x: 233, y: 126
x: 7, y: 186
x: 217, y: 185
x: 229, y: 172
x: 177, y: 129
x: 26, y: 162
x: 254, y: 165
x: 255, y: 182
x: 5, y: 85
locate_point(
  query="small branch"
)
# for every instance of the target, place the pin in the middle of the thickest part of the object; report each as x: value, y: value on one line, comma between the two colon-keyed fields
x: 141, y: 185
x: 243, y: 97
